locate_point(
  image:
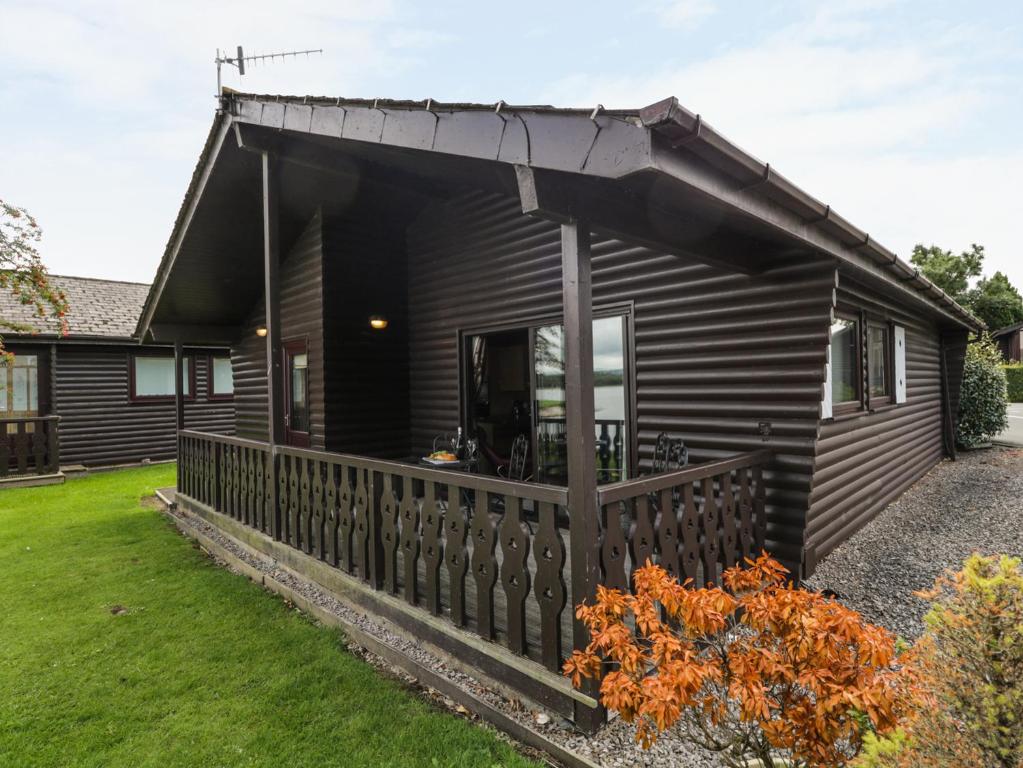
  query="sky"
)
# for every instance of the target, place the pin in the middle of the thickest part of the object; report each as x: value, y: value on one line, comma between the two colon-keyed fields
x: 904, y: 116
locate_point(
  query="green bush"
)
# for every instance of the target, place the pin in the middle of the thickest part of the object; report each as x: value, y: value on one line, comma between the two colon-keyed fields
x: 1014, y: 378
x: 970, y: 665
x: 983, y: 401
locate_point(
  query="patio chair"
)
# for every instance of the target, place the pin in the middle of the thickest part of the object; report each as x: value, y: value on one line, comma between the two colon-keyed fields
x: 518, y: 464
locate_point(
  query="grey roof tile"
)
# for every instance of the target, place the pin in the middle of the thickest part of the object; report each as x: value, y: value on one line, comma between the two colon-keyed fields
x: 97, y: 308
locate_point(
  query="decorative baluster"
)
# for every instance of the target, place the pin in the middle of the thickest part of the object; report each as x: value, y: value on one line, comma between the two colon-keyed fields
x: 745, y: 513
x: 619, y: 470
x: 759, y: 508
x: 228, y: 481
x: 549, y: 587
x: 21, y: 448
x: 728, y: 534
x: 253, y: 497
x: 5, y: 450
x: 667, y: 533
x: 236, y: 483
x: 710, y: 533
x: 283, y: 485
x: 319, y: 550
x: 362, y: 541
x: 514, y: 573
x: 389, y: 533
x: 305, y: 509
x: 432, y: 548
x: 331, y: 518
x: 270, y: 500
x: 259, y: 499
x: 641, y: 534
x: 690, y: 534
x: 613, y: 548
x: 294, y: 505
x: 484, y: 565
x: 410, y: 544
x: 243, y: 484
x: 346, y: 497
x: 455, y: 554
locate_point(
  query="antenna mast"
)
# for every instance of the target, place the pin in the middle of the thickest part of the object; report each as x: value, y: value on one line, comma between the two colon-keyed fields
x: 239, y: 61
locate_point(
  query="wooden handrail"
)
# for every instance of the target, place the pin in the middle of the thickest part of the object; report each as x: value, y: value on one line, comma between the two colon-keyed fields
x: 535, y: 491
x: 27, y: 419
x: 241, y: 442
x: 626, y: 489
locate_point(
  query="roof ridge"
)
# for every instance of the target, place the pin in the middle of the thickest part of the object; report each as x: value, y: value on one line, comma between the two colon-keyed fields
x: 99, y: 279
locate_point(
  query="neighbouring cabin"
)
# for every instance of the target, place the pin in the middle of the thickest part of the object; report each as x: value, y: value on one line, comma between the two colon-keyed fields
x: 640, y: 343
x: 1010, y: 342
x: 94, y: 397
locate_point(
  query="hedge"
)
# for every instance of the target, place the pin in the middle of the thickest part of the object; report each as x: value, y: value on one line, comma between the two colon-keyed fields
x: 1014, y: 378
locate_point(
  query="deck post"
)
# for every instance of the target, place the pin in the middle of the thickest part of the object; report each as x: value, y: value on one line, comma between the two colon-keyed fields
x: 179, y: 401
x: 272, y: 302
x: 577, y: 298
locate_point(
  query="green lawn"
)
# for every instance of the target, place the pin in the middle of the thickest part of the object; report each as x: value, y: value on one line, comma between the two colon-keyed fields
x: 122, y: 645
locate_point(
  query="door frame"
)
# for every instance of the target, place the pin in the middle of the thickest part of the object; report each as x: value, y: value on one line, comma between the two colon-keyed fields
x: 289, y: 349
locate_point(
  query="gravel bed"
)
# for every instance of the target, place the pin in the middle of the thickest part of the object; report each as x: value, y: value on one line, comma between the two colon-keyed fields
x: 613, y: 747
x: 973, y: 504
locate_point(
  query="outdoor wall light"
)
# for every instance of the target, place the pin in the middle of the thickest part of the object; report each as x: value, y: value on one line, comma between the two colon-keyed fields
x: 261, y: 331
x: 377, y: 322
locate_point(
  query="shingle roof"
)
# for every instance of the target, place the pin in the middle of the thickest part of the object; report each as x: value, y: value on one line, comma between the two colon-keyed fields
x: 97, y: 308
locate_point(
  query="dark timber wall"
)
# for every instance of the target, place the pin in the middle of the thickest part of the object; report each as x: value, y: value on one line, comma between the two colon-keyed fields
x: 301, y: 276
x: 99, y: 424
x: 866, y: 460
x: 716, y: 353
x: 366, y: 370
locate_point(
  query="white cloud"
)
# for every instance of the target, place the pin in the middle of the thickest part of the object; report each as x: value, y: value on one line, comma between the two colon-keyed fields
x: 880, y: 131
x: 684, y: 13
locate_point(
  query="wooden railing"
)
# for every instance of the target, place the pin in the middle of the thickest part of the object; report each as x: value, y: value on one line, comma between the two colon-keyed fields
x: 446, y: 553
x: 29, y: 446
x: 486, y: 553
x: 693, y: 522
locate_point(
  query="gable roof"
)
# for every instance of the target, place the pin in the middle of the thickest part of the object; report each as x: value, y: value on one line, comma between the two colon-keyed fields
x: 1007, y: 329
x: 662, y: 149
x: 101, y: 309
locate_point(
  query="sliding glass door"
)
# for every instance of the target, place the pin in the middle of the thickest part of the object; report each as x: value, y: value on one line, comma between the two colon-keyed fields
x: 610, y: 395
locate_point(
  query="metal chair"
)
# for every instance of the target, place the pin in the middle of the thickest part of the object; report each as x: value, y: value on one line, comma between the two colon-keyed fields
x: 518, y: 464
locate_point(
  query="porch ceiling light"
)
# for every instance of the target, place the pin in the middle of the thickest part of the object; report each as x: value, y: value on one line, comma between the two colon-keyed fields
x: 377, y: 322
x: 261, y: 331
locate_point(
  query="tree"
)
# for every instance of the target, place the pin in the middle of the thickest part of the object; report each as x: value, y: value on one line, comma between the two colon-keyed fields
x: 996, y: 301
x: 758, y: 670
x: 949, y: 271
x: 22, y: 271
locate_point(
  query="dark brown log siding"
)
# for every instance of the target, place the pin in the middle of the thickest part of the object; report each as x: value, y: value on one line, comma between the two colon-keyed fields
x: 301, y: 278
x: 716, y: 353
x: 100, y: 425
x: 866, y: 460
x: 366, y: 370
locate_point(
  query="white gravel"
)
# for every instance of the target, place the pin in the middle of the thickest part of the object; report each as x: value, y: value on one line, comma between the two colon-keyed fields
x: 973, y: 504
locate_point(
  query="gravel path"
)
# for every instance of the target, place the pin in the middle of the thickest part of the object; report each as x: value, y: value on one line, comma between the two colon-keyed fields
x: 975, y: 503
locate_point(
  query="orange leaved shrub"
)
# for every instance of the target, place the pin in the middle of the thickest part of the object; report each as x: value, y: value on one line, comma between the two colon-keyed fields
x: 757, y: 670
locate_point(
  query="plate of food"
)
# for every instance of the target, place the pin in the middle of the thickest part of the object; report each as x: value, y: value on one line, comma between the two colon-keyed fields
x: 441, y: 457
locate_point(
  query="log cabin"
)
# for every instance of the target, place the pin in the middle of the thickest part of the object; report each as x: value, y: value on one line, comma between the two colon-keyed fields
x: 637, y: 341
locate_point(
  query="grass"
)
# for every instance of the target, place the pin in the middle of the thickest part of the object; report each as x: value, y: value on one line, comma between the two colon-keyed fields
x: 122, y: 645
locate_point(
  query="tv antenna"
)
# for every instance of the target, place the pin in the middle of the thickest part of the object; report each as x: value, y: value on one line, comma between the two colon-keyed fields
x: 241, y: 59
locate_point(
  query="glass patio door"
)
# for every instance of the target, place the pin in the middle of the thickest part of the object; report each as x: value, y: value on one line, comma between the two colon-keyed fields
x: 609, y: 394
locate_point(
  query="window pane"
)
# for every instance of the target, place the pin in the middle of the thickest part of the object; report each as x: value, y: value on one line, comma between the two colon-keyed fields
x: 845, y: 377
x: 154, y: 376
x: 223, y: 377
x: 877, y: 361
x: 21, y: 377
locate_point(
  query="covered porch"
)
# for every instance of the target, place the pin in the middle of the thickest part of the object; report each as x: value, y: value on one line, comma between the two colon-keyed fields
x: 378, y: 298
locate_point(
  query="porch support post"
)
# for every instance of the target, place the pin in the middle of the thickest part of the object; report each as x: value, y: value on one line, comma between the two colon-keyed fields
x: 577, y: 297
x: 179, y: 400
x: 272, y: 302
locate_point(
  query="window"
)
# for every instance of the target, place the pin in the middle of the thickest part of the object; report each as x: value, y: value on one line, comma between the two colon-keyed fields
x: 845, y: 363
x: 152, y: 377
x: 221, y: 378
x: 19, y: 387
x: 879, y: 364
